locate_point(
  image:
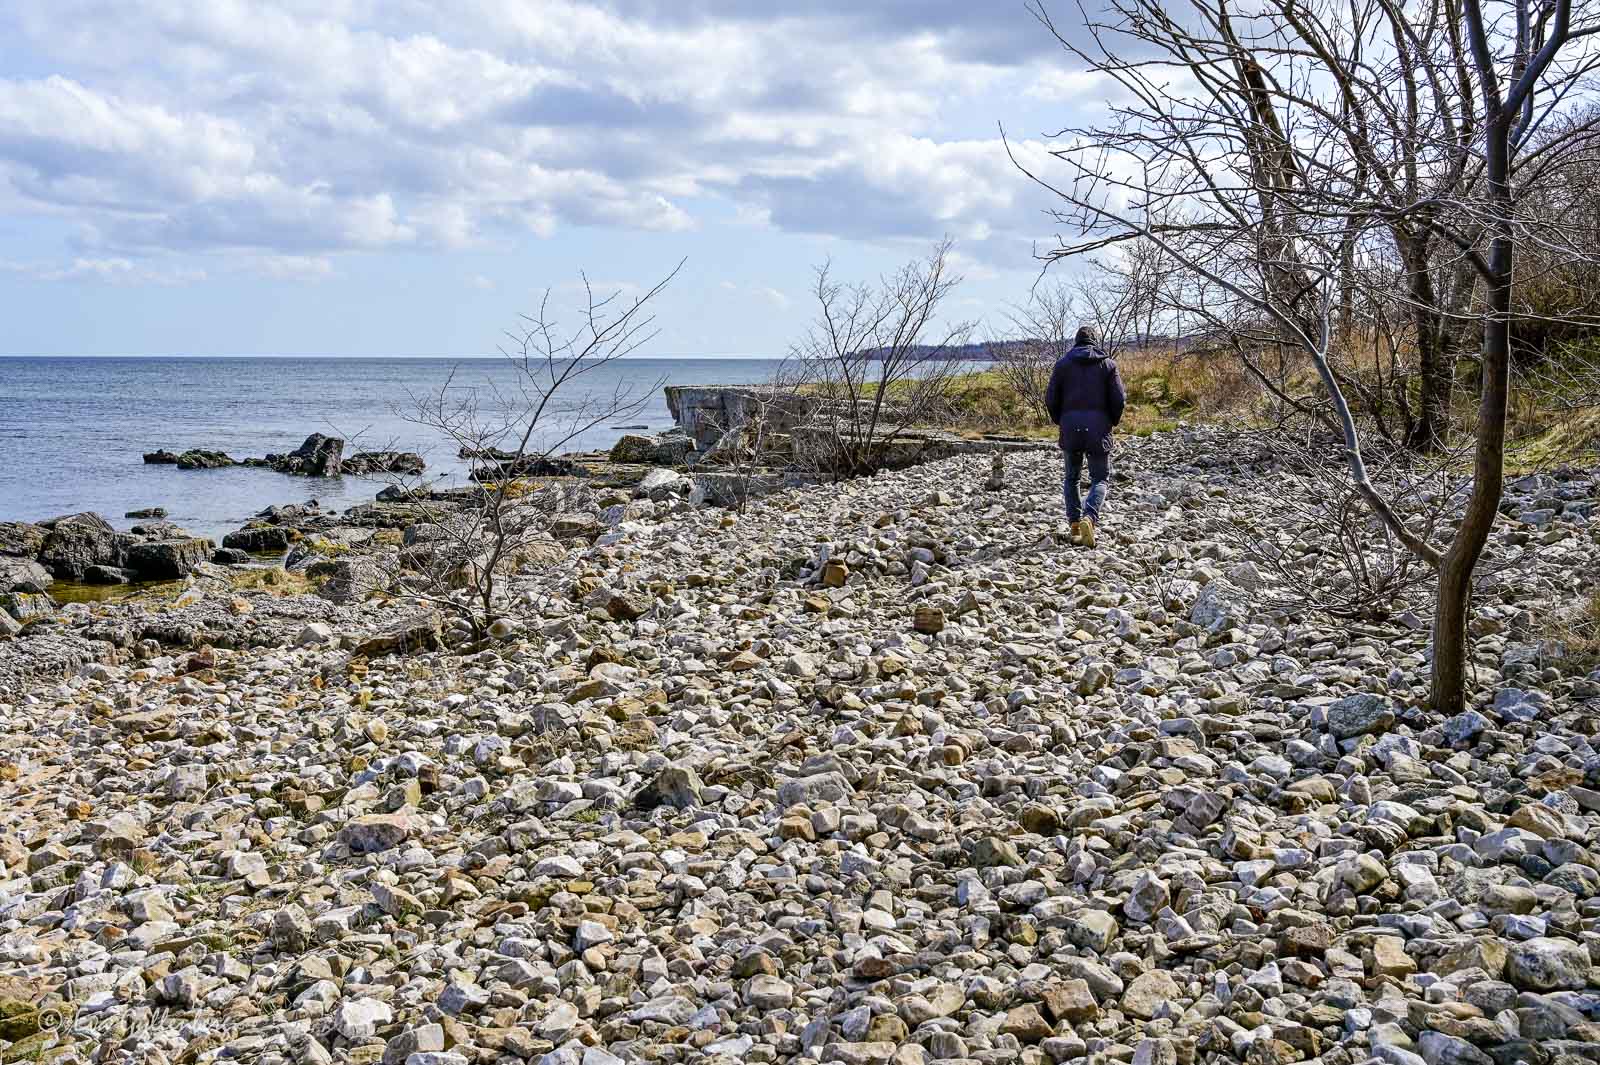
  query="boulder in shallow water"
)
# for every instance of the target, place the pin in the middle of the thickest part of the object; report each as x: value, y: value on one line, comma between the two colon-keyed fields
x: 77, y: 542
x: 168, y: 559
x: 162, y: 457
x: 147, y: 512
x: 230, y: 556
x: 202, y: 459
x: 259, y: 539
x: 371, y: 462
x: 106, y: 575
x: 160, y: 530
x: 318, y: 456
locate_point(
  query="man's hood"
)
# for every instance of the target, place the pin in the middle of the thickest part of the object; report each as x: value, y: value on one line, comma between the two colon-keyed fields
x: 1087, y: 353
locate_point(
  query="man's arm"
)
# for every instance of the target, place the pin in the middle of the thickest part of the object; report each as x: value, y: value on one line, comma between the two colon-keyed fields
x: 1052, y: 395
x: 1116, y: 395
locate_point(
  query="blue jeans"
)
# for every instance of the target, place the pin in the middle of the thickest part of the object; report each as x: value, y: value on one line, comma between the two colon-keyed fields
x: 1099, y: 481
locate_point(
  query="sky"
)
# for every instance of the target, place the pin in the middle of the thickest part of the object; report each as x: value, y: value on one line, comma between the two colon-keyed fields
x: 388, y: 177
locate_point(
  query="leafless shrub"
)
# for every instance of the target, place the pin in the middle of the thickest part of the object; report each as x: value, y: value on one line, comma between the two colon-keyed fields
x: 1332, y: 554
x: 465, y: 542
x: 878, y: 361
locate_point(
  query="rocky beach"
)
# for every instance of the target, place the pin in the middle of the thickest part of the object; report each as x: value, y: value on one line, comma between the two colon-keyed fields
x: 882, y: 772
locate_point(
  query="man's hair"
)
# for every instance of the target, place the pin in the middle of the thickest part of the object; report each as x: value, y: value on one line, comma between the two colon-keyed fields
x: 1087, y: 337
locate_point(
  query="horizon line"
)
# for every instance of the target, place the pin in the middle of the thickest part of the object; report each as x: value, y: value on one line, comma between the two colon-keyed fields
x: 330, y: 355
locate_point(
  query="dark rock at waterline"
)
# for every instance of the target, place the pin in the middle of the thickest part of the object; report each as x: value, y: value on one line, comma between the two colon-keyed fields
x: 526, y: 466
x: 21, y: 539
x: 396, y: 462
x: 259, y: 539
x: 287, y: 513
x: 317, y: 456
x: 105, y: 575
x: 76, y: 542
x: 147, y: 512
x: 394, y: 493
x: 168, y: 559
x: 160, y: 530
x: 230, y: 556
x: 201, y: 459
x: 23, y: 575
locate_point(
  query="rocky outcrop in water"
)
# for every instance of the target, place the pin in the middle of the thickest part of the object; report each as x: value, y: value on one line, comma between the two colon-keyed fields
x: 167, y: 559
x: 492, y: 464
x: 74, y: 543
x: 86, y: 548
x: 317, y: 456
x: 367, y: 463
x: 260, y: 539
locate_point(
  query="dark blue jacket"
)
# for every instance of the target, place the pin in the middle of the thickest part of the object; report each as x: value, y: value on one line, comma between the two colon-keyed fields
x: 1085, y: 399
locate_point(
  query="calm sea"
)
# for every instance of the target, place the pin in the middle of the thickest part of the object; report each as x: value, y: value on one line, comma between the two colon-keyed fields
x: 73, y: 430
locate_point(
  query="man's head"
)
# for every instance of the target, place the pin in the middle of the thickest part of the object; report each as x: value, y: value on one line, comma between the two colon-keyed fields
x: 1088, y: 337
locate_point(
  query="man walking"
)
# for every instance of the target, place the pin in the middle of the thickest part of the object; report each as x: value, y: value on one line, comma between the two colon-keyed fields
x: 1085, y: 400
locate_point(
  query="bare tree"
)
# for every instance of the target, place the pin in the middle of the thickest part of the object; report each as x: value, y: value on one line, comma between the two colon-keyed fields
x: 1040, y: 331
x: 878, y: 361
x: 1318, y: 137
x: 466, y: 541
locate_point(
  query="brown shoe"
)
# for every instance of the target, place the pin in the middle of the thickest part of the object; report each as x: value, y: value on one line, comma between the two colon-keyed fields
x: 1077, y: 533
x: 1086, y: 532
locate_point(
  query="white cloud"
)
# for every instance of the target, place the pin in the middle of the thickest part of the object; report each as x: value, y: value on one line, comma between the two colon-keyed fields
x: 764, y: 293
x: 911, y: 187
x: 115, y: 271
x: 1057, y: 84
x: 294, y: 267
x: 300, y: 129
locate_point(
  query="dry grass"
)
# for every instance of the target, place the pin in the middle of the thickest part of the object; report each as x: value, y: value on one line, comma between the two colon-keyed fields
x: 275, y: 580
x: 1164, y: 387
x: 1579, y: 632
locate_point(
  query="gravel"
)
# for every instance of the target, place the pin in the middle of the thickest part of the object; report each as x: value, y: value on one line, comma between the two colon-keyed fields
x: 733, y: 791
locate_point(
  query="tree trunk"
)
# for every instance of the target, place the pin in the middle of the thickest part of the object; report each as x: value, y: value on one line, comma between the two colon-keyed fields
x: 1449, y: 690
x: 1436, y: 368
x: 1449, y: 680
